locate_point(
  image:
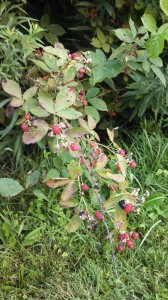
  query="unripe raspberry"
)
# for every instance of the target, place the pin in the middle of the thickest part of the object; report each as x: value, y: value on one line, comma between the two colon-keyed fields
x: 24, y: 127
x: 134, y: 235
x: 121, y: 152
x: 98, y: 150
x: 84, y: 187
x: 120, y: 247
x: 56, y: 129
x: 98, y: 215
x: 80, y: 76
x: 45, y: 77
x: 133, y: 164
x: 81, y: 70
x: 118, y: 167
x: 113, y: 187
x: 129, y: 244
x: 27, y: 117
x: 74, y: 146
x: 92, y: 144
x: 85, y: 103
x: 128, y: 207
x: 82, y: 161
x: 74, y: 55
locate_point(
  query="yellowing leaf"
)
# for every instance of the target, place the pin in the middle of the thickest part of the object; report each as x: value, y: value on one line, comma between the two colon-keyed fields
x: 101, y: 162
x: 68, y: 191
x: 73, y: 224
x: 56, y: 182
x: 123, y: 164
x: 74, y: 169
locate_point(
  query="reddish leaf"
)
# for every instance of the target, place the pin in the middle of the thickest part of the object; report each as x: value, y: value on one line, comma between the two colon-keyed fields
x: 35, y: 133
x: 68, y: 191
x: 12, y: 88
x: 56, y: 182
x: 16, y: 102
x: 101, y: 162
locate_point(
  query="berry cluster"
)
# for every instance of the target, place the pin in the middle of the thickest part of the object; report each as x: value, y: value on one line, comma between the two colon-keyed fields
x: 127, y: 207
x: 90, y: 12
x: 129, y: 160
x: 97, y: 215
x: 24, y: 126
x: 81, y: 97
x: 125, y: 239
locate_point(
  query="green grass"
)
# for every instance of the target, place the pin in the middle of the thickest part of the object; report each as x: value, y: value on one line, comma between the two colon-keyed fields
x: 77, y: 266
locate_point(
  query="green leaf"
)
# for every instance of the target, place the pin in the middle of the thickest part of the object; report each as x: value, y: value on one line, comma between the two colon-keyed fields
x: 132, y: 27
x: 164, y: 6
x: 56, y: 29
x: 74, y: 169
x: 46, y: 101
x: 64, y: 99
x: 16, y: 102
x: 109, y: 8
x: 120, y: 219
x: 155, y: 45
x: 36, y: 132
x: 101, y: 162
x: 91, y: 111
x: 154, y: 201
x: 123, y: 164
x: 149, y: 22
x: 30, y: 92
x: 50, y: 61
x: 32, y: 237
x: 32, y: 178
x: 102, y: 38
x: 69, y: 113
x: 69, y: 74
x: 10, y: 187
x: 159, y: 74
x: 106, y: 47
x: 96, y: 43
x: 61, y: 53
x: 163, y: 28
x: 124, y: 35
x: 12, y: 88
x: 92, y: 92
x: 146, y: 66
x: 98, y: 103
x: 41, y: 65
x: 45, y: 20
x: 73, y: 224
x: 39, y: 112
x: 52, y: 173
x: 80, y: 28
x: 157, y: 61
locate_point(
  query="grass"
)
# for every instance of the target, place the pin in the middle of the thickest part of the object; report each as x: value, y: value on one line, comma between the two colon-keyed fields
x: 77, y: 266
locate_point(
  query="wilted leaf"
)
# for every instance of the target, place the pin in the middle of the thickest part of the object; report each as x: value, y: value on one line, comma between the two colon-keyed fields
x: 12, y: 88
x: 56, y: 182
x: 101, y: 162
x: 115, y: 177
x: 73, y: 224
x: 68, y: 191
x: 36, y: 133
x: 16, y: 102
x: 69, y: 203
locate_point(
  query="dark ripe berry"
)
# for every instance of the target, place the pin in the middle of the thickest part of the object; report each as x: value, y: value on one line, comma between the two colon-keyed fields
x: 80, y: 76
x: 133, y: 164
x: 128, y: 207
x: 56, y: 129
x: 74, y: 55
x: 82, y: 92
x: 84, y: 187
x: 112, y: 114
x: 120, y: 248
x: 24, y: 127
x: 118, y: 167
x: 85, y: 103
x: 121, y: 152
x: 113, y: 187
x: 74, y: 146
x: 121, y: 203
x: 120, y: 236
x: 27, y: 117
x: 82, y: 161
x: 81, y: 70
x: 134, y: 235
x: 98, y: 215
x: 92, y: 144
x: 129, y: 244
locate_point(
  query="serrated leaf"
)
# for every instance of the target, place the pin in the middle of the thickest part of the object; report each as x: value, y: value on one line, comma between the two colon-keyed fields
x: 96, y: 43
x: 101, y: 162
x: 124, y: 35
x: 102, y: 38
x: 64, y: 99
x: 32, y: 178
x: 159, y: 74
x: 112, y: 201
x: 149, y: 22
x: 36, y: 133
x: 69, y: 74
x: 91, y: 111
x: 106, y: 47
x: 10, y: 187
x: 132, y: 27
x: 56, y: 182
x: 116, y: 177
x: 52, y: 173
x: 68, y: 191
x: 50, y: 61
x: 92, y: 92
x: 39, y: 112
x: 41, y: 65
x: 69, y: 113
x: 98, y: 104
x: 164, y: 6
x: 77, y: 132
x: 91, y: 122
x: 30, y: 92
x: 155, y: 45
x: 109, y: 8
x: 62, y: 53
x: 16, y: 102
x: 56, y: 29
x: 12, y: 88
x: 69, y: 203
x: 46, y: 101
x: 74, y: 169
x: 73, y: 224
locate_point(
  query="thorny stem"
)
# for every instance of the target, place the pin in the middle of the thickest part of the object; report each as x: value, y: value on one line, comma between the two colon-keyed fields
x: 95, y: 186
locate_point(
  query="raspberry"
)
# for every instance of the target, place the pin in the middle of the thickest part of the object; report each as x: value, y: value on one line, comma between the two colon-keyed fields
x: 27, y: 117
x: 121, y: 152
x: 128, y: 207
x: 92, y: 144
x: 133, y: 164
x: 134, y: 235
x: 82, y: 161
x: 74, y: 147
x: 82, y: 92
x: 84, y: 103
x: 125, y: 236
x: 80, y: 76
x: 121, y: 203
x: 56, y: 129
x: 98, y: 150
x: 118, y: 167
x: 120, y: 247
x: 84, y: 187
x: 81, y: 70
x: 45, y: 77
x: 74, y: 56
x: 81, y: 98
x: 120, y: 236
x: 24, y: 127
x: 98, y: 215
x: 112, y: 114
x: 129, y: 244
x: 113, y: 187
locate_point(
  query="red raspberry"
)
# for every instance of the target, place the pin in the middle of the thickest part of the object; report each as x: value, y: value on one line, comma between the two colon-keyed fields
x: 27, y: 117
x: 125, y: 236
x: 80, y: 76
x: 84, y: 187
x: 74, y: 147
x: 82, y: 161
x: 56, y: 129
x: 98, y: 150
x: 24, y: 127
x: 92, y: 144
x: 112, y: 114
x: 128, y: 207
x: 81, y: 98
x: 120, y: 247
x: 74, y: 55
x: 121, y: 152
x: 45, y: 77
x: 82, y: 92
x: 134, y: 235
x: 118, y: 167
x: 133, y: 164
x: 81, y: 70
x: 129, y: 244
x: 120, y: 236
x: 98, y: 215
x: 84, y: 103
x: 113, y: 187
